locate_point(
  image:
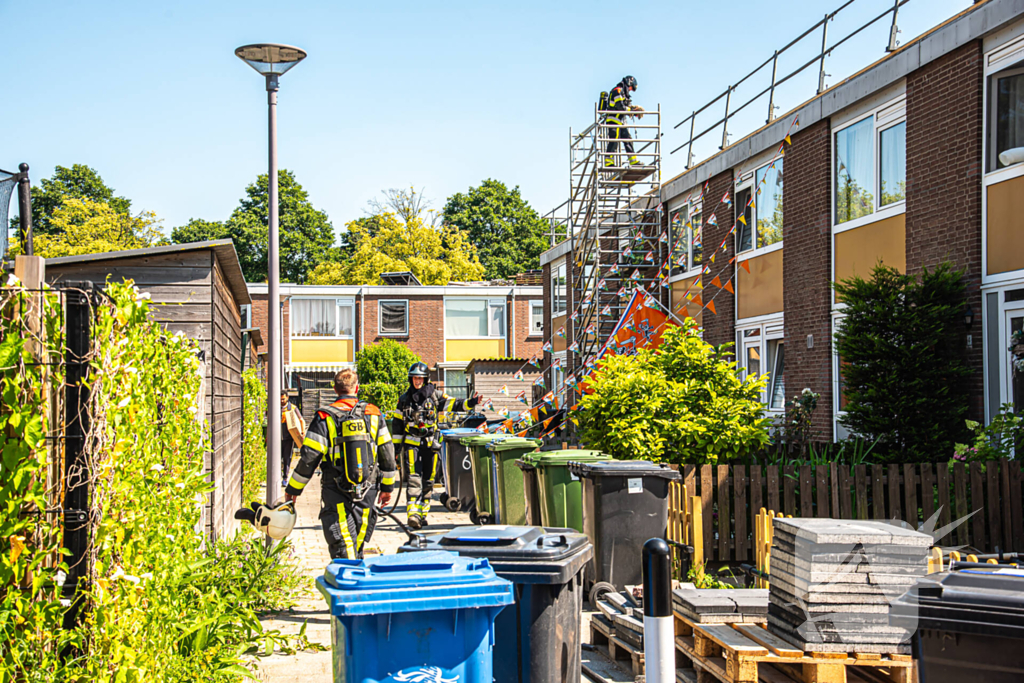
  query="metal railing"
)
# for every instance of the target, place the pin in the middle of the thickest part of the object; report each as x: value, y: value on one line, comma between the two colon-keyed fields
x: 776, y: 81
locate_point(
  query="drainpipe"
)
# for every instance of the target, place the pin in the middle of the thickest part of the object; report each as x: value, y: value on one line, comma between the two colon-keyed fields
x: 512, y: 323
x: 362, y: 312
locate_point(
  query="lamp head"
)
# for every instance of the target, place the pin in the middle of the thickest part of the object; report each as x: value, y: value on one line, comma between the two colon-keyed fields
x: 270, y: 59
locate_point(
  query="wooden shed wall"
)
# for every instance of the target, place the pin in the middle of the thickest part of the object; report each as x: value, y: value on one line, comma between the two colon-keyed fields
x: 182, y: 290
x: 226, y: 425
x: 488, y: 381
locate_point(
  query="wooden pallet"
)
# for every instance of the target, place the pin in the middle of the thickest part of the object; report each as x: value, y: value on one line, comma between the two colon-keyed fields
x: 603, y: 637
x: 749, y: 653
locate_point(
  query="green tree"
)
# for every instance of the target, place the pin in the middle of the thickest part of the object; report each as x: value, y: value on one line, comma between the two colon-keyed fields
x: 383, y: 370
x: 902, y: 346
x: 506, y: 230
x: 681, y: 403
x: 83, y: 226
x: 435, y: 257
x: 77, y: 182
x: 198, y: 230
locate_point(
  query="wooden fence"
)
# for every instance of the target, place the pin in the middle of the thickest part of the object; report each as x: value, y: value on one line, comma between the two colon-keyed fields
x: 985, y: 498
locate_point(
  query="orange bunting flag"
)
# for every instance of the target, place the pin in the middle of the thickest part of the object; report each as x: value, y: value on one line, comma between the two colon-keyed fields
x: 746, y: 265
x: 698, y: 301
x: 728, y: 287
x: 716, y: 282
x: 711, y: 307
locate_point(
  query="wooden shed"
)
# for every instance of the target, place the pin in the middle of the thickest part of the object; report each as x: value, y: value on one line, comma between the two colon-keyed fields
x: 197, y: 289
x: 486, y: 376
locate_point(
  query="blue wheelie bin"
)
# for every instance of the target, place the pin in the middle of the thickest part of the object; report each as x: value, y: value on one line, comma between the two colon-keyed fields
x: 413, y: 617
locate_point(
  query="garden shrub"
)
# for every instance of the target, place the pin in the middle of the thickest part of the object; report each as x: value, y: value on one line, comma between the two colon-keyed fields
x: 902, y: 345
x: 384, y: 363
x: 381, y: 394
x: 682, y: 403
x: 254, y: 446
x: 1001, y: 438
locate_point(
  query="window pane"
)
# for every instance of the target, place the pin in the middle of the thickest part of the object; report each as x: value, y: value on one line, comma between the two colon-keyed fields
x: 393, y: 317
x: 777, y: 389
x: 744, y: 233
x: 314, y: 317
x: 465, y: 318
x: 680, y: 238
x: 345, y: 316
x: 855, y: 178
x: 497, y: 319
x: 893, y: 150
x: 1009, y: 114
x: 768, y: 204
x: 537, y: 319
x: 455, y: 383
x: 558, y: 290
x: 696, y: 235
x: 753, y: 360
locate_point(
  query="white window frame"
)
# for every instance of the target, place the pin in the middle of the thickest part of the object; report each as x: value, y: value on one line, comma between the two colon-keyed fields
x: 536, y: 315
x: 748, y: 181
x: 380, y: 318
x: 770, y: 328
x: 340, y: 302
x: 884, y: 116
x: 559, y: 303
x: 447, y: 384
x: 489, y: 303
x: 997, y: 61
x: 691, y: 209
x: 839, y: 432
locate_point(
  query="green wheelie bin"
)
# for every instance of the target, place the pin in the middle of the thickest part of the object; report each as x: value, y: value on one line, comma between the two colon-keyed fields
x: 480, y: 463
x: 560, y: 491
x: 508, y: 478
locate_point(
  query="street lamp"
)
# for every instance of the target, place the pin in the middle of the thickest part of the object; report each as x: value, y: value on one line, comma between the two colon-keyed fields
x: 272, y: 61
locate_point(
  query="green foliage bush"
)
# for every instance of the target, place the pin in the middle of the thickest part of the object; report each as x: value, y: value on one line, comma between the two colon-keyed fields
x: 161, y: 602
x: 902, y: 343
x: 254, y: 447
x: 383, y: 370
x: 683, y: 403
x: 1001, y: 438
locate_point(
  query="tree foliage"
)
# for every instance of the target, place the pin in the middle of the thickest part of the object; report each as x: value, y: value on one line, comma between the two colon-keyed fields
x: 682, y: 403
x: 435, y: 257
x: 306, y: 234
x: 902, y: 349
x: 77, y: 182
x: 408, y: 205
x: 254, y: 446
x: 383, y: 370
x: 84, y: 226
x: 506, y: 230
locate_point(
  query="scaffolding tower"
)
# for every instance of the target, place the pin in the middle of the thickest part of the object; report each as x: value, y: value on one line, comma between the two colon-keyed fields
x: 615, y: 225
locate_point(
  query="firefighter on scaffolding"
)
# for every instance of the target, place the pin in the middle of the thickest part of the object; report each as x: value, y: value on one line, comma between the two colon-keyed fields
x: 418, y: 439
x: 619, y: 101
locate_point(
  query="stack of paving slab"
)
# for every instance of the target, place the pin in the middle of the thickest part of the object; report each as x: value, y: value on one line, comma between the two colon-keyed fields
x: 832, y: 583
x: 721, y: 606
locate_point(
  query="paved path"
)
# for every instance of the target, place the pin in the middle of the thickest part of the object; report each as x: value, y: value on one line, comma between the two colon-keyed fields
x: 311, y: 556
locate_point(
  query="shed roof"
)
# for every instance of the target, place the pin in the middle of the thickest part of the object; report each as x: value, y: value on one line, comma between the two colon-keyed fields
x: 224, y: 249
x: 479, y: 363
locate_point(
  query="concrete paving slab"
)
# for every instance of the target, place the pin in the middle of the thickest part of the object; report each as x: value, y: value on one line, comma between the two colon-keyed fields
x: 826, y: 530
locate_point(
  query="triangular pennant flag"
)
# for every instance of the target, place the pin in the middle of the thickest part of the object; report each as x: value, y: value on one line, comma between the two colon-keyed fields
x: 622, y: 292
x: 742, y: 219
x: 556, y: 362
x: 664, y: 237
x: 614, y: 270
x: 716, y: 282
x: 635, y: 275
x: 607, y: 310
x: 503, y: 411
x: 698, y: 301
x: 602, y: 284
x: 574, y: 347
x: 504, y: 389
x: 575, y: 315
x: 548, y: 397
x: 589, y: 330
x: 789, y: 141
x: 728, y: 287
x: 561, y: 332
x: 712, y: 220
x: 533, y: 360
x: 649, y: 257
x: 711, y: 307
x: 518, y: 375
x: 539, y: 382
x: 746, y: 265
x: 628, y: 251
x: 726, y: 200
x: 547, y: 347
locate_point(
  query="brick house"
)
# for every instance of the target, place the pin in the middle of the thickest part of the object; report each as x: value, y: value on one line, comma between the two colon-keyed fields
x: 914, y: 160
x: 324, y: 326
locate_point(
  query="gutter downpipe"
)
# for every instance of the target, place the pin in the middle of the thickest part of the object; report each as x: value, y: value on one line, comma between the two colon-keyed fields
x: 512, y: 324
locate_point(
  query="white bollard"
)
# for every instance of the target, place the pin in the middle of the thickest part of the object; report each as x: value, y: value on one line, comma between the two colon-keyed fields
x: 659, y: 631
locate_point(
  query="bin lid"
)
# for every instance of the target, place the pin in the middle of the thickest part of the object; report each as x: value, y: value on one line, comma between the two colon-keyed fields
x: 522, y: 554
x: 482, y: 439
x: 526, y: 462
x: 388, y: 584
x: 977, y: 601
x: 458, y: 432
x: 624, y: 468
x: 514, y: 442
x: 565, y: 457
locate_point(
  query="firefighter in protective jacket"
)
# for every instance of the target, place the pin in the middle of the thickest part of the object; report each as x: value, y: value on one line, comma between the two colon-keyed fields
x: 619, y: 101
x: 418, y: 439
x: 350, y: 442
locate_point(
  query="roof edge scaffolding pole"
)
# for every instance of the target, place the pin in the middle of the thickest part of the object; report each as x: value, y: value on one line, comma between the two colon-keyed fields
x: 272, y: 60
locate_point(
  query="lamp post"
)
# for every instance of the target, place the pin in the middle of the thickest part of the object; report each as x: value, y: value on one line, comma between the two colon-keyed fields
x: 271, y: 61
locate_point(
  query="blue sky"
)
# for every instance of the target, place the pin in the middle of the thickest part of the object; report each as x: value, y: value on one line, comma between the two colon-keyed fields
x: 393, y: 94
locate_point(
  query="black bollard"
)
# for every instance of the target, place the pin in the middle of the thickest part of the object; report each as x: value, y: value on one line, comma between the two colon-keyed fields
x: 659, y: 648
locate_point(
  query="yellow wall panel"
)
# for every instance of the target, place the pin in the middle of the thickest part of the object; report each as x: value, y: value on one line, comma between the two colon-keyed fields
x: 321, y: 351
x: 759, y: 292
x: 857, y: 251
x: 558, y: 343
x: 1005, y: 239
x: 692, y: 310
x: 468, y: 349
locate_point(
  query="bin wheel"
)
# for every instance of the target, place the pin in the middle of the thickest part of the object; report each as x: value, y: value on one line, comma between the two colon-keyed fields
x: 444, y: 497
x: 599, y: 589
x: 474, y: 517
x: 452, y: 504
x: 484, y: 519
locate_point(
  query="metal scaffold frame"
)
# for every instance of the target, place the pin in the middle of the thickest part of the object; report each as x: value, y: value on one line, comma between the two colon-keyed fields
x: 615, y: 224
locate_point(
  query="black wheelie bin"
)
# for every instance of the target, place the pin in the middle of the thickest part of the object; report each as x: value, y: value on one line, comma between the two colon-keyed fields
x: 538, y: 639
x: 625, y: 503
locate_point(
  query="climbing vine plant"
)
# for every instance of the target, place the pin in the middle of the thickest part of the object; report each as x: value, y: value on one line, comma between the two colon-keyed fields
x: 254, y: 446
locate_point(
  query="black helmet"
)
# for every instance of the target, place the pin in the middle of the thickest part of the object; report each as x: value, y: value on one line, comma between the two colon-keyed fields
x: 629, y: 82
x: 419, y: 370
